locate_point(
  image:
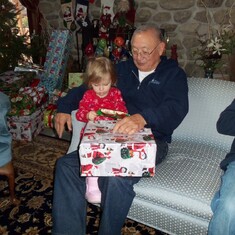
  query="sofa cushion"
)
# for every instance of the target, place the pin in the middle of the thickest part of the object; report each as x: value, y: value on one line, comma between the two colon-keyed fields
x: 207, y: 99
x: 184, y: 184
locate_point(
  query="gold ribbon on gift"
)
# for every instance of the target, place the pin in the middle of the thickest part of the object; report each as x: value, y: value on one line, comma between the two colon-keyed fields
x: 49, y: 115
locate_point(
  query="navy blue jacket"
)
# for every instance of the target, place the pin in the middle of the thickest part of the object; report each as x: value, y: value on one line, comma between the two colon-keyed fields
x: 226, y: 125
x: 161, y: 98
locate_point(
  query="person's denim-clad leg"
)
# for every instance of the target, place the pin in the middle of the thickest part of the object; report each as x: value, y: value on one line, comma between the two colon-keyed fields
x: 117, y: 196
x: 5, y: 135
x: 223, y: 205
x: 69, y: 203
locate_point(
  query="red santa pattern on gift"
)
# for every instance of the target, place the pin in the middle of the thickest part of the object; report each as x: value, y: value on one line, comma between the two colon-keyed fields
x: 89, y: 136
x: 118, y: 171
x: 52, y: 71
x: 55, y: 60
x: 99, y: 153
x: 87, y: 169
x: 148, y: 171
x: 58, y: 49
x: 99, y: 157
x: 136, y: 150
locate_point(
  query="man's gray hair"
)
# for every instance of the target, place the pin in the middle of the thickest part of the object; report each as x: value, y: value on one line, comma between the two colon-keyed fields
x: 146, y: 27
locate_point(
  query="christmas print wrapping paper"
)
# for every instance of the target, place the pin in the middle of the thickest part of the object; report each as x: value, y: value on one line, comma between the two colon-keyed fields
x: 49, y: 114
x: 27, y: 100
x: 103, y: 153
x: 56, y: 60
x: 26, y: 127
x: 12, y: 81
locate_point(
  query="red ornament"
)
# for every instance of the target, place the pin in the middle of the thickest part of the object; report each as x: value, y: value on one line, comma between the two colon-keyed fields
x: 116, y: 53
x: 89, y: 50
x: 119, y: 41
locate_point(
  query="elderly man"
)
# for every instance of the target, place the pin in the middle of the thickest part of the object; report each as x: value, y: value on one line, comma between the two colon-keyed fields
x: 156, y: 94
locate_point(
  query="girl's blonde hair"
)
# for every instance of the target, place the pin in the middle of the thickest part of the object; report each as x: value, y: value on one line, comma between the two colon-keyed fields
x: 96, y: 68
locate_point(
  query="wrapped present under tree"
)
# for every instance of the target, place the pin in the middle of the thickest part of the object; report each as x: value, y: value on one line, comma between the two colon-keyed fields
x: 26, y: 127
x: 12, y: 81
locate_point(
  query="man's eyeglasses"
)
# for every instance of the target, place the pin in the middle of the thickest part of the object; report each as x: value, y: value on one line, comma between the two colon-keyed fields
x: 145, y: 53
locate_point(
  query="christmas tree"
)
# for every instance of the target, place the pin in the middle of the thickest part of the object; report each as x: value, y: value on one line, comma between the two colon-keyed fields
x: 13, y: 47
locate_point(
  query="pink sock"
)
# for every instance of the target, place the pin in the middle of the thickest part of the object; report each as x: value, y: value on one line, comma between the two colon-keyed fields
x: 93, y: 194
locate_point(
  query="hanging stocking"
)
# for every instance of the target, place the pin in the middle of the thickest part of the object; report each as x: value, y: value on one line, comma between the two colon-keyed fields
x: 107, y: 8
x: 66, y: 7
x: 106, y: 18
x: 82, y: 19
x: 81, y: 10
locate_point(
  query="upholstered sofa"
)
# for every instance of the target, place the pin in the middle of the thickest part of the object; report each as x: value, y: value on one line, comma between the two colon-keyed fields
x: 177, y: 199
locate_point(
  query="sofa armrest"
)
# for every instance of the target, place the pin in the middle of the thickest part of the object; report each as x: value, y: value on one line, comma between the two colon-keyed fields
x: 77, y: 127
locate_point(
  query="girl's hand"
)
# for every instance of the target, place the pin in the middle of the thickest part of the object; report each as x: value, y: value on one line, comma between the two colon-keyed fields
x: 91, y: 115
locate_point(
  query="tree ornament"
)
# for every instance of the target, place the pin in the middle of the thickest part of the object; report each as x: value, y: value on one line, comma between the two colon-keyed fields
x: 89, y: 50
x: 102, y: 44
x: 119, y: 41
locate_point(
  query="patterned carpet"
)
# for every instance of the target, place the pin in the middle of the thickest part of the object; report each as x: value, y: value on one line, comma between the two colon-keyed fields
x: 34, y: 163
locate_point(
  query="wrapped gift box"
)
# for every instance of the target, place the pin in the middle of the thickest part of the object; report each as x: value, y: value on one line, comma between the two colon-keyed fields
x: 103, y: 153
x: 75, y: 80
x: 12, y: 81
x: 56, y: 94
x: 56, y: 60
x: 27, y: 100
x: 26, y: 127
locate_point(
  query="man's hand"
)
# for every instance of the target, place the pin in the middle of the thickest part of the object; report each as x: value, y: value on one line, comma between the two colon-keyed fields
x: 130, y: 125
x: 60, y: 120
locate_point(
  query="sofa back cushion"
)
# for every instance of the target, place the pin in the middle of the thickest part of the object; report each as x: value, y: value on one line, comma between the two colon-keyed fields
x: 207, y: 99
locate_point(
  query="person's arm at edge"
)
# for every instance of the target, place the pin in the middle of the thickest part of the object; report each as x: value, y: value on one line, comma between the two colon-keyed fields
x: 65, y: 105
x: 71, y: 101
x: 226, y: 122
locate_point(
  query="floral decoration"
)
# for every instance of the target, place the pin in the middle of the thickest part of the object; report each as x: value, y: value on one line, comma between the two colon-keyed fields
x: 218, y: 41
